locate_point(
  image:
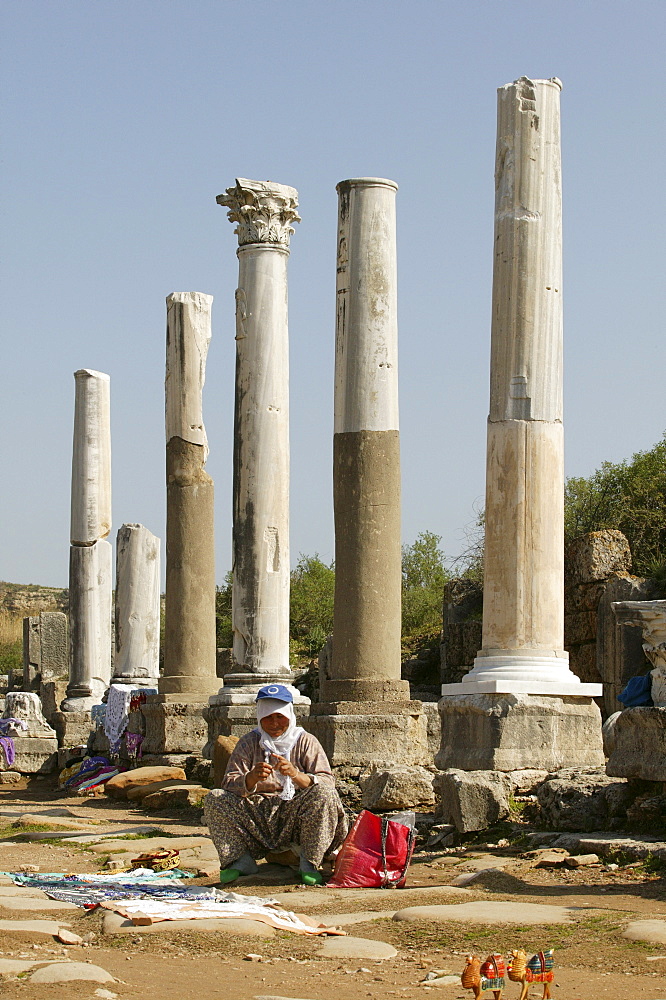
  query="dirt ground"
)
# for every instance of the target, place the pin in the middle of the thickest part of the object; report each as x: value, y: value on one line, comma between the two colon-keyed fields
x: 593, y: 960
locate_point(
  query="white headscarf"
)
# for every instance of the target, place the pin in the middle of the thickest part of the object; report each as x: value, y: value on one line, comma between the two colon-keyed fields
x: 283, y: 745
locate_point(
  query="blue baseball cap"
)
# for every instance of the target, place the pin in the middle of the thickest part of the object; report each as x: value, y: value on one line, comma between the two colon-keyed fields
x: 277, y: 691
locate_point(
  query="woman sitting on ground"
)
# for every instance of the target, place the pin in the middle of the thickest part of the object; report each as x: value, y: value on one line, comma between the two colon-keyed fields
x: 278, y: 793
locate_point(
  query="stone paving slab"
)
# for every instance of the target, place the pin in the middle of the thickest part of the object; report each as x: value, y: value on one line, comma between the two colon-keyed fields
x: 16, y: 811
x: 114, y: 923
x: 111, y: 845
x: 652, y: 931
x: 30, y: 903
x: 491, y: 912
x: 102, y: 834
x: 47, y: 927
x: 12, y: 966
x: 321, y: 896
x: 67, y: 972
x: 343, y: 919
x: 22, y: 890
x: 353, y: 947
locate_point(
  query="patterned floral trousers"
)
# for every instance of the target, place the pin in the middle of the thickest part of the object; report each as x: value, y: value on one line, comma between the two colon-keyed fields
x: 314, y: 819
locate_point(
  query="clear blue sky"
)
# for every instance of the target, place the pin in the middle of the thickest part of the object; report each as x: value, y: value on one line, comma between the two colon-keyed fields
x: 121, y: 122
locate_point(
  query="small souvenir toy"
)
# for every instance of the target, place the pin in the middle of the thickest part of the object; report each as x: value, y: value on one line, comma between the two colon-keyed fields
x: 539, y: 969
x: 489, y: 975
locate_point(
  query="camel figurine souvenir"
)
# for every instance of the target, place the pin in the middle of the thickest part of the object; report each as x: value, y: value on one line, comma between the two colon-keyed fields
x: 489, y: 975
x: 539, y: 969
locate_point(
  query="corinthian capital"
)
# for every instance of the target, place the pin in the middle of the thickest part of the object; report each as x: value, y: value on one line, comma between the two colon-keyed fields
x: 263, y: 210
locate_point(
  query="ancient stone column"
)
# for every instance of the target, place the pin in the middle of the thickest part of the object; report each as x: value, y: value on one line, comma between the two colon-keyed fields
x: 173, y: 717
x: 137, y: 659
x: 523, y: 608
x: 365, y: 713
x: 90, y: 576
x: 264, y: 213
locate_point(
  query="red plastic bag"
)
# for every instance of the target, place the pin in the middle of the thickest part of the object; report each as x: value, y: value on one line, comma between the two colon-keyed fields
x: 376, y: 854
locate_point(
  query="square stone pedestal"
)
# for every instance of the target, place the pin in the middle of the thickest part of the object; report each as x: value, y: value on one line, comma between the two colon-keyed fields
x: 508, y: 732
x: 640, y: 744
x: 34, y: 755
x: 72, y: 728
x: 173, y: 724
x: 362, y: 733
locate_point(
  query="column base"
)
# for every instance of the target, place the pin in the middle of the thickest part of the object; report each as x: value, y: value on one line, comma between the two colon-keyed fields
x: 174, y: 724
x: 522, y: 672
x: 640, y: 744
x: 509, y: 732
x: 362, y: 733
x: 241, y: 689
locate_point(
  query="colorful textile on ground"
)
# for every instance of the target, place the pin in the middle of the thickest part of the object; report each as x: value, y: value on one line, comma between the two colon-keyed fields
x: 88, y: 774
x: 137, y: 877
x: 89, y: 890
x: 145, y: 896
x: 7, y: 744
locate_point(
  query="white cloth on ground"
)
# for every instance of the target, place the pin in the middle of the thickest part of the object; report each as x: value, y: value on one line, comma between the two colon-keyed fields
x: 227, y: 904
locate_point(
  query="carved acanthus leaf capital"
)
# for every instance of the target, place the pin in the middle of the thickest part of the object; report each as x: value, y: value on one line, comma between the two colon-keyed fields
x: 263, y: 210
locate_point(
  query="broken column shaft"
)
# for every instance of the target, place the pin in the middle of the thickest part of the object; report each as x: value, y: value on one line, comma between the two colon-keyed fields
x: 174, y: 722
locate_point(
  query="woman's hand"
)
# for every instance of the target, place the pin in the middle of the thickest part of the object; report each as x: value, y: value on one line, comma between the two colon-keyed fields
x: 286, y: 768
x: 259, y: 772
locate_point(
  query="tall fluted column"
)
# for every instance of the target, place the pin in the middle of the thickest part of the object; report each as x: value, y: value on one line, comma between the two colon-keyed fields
x: 137, y: 658
x: 365, y: 713
x: 264, y: 213
x: 174, y: 720
x: 90, y: 564
x: 523, y: 607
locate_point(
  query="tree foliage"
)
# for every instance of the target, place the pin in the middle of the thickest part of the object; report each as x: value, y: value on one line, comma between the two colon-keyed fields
x: 628, y: 495
x: 311, y: 605
x: 423, y: 579
x: 224, y: 635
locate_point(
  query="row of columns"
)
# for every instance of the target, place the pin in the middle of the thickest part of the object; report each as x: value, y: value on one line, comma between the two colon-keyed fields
x: 364, y: 711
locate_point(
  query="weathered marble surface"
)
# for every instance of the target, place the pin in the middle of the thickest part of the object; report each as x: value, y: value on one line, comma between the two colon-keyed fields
x: 189, y: 643
x: 188, y: 340
x: 264, y: 213
x: 90, y: 583
x: 523, y: 620
x: 137, y: 606
x: 91, y: 461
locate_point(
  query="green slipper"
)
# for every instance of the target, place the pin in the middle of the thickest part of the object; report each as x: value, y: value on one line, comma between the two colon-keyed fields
x: 311, y: 878
x: 228, y: 875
